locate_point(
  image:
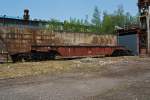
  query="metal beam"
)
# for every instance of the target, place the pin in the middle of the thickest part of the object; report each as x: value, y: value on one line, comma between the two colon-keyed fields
x: 148, y: 31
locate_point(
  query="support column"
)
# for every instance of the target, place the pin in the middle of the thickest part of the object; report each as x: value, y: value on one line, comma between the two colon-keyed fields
x: 148, y: 31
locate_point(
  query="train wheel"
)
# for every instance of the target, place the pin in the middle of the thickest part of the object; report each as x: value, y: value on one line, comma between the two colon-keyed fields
x: 22, y: 59
x: 14, y: 58
x: 117, y: 53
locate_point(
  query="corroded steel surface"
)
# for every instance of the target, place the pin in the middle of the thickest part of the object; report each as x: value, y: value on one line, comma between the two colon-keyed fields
x: 143, y: 2
x: 144, y: 12
x: 78, y: 51
x: 21, y: 39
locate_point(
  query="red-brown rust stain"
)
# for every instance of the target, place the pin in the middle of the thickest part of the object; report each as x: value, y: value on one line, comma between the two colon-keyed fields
x: 21, y: 39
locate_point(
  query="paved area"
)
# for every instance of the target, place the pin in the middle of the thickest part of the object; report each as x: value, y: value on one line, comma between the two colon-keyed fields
x: 126, y: 80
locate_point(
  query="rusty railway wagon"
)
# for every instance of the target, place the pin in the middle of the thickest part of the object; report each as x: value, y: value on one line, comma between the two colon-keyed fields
x: 25, y: 40
x: 28, y: 44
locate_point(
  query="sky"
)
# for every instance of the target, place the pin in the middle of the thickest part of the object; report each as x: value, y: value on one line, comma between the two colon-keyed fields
x: 63, y: 9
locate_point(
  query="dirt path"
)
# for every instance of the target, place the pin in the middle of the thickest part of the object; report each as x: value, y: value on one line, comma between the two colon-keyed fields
x: 127, y: 80
x: 60, y: 89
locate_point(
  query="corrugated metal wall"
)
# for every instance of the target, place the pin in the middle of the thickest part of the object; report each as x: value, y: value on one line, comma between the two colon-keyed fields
x: 130, y: 42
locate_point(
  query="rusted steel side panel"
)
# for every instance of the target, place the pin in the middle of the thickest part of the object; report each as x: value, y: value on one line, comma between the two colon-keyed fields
x: 21, y: 40
x: 108, y: 51
x: 85, y: 51
x: 78, y: 51
x: 16, y: 40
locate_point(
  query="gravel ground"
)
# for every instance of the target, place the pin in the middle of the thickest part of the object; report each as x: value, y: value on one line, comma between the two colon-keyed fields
x: 123, y: 78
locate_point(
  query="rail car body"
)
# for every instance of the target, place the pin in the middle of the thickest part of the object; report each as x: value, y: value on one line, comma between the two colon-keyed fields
x: 28, y: 40
x: 28, y: 44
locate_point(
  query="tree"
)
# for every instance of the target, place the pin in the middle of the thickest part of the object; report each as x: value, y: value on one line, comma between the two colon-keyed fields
x: 128, y: 18
x: 134, y: 20
x: 107, y: 24
x: 96, y: 20
x: 86, y: 21
x: 119, y: 17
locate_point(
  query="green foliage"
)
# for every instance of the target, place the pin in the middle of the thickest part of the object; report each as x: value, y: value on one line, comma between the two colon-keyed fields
x: 96, y: 20
x: 119, y: 18
x: 96, y: 17
x: 107, y: 25
x: 86, y: 21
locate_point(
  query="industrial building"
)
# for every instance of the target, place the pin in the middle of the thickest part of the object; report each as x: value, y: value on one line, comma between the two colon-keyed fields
x: 137, y: 39
x: 25, y: 21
